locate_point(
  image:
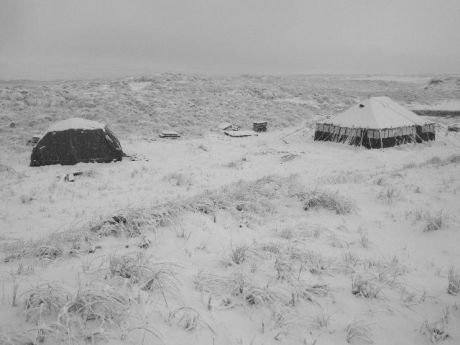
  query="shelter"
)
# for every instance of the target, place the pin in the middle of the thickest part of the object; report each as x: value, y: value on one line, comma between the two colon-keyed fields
x: 76, y: 140
x: 376, y: 122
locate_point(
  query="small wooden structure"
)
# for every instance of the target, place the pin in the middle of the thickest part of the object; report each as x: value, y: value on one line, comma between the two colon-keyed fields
x: 240, y: 134
x: 259, y: 126
x: 170, y: 134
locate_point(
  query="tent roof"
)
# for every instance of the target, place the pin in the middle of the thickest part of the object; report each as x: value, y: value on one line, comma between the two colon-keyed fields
x: 75, y: 123
x: 377, y: 113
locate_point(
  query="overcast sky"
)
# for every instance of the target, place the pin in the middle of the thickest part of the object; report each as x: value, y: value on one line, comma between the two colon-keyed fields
x: 54, y: 39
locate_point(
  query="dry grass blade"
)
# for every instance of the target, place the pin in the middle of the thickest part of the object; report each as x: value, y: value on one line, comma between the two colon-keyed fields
x: 358, y: 333
x: 319, y: 290
x: 188, y: 318
x: 145, y: 330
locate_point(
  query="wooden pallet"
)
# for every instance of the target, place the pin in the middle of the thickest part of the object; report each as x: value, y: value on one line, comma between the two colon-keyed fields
x: 240, y: 134
x: 259, y: 126
x: 169, y: 134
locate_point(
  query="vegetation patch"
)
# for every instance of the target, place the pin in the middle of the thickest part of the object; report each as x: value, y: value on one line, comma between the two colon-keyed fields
x: 43, y: 299
x: 438, y: 330
x: 324, y: 199
x: 358, y: 333
x: 366, y: 287
x: 453, y: 278
x: 150, y: 276
x: 432, y: 221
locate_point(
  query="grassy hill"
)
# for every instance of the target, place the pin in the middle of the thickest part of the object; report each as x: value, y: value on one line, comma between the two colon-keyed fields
x: 192, y: 105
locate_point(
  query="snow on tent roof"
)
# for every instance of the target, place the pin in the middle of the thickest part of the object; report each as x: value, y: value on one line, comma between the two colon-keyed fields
x: 377, y: 112
x: 75, y: 123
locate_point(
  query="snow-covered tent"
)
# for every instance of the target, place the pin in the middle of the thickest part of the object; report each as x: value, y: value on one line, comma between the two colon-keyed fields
x: 76, y: 140
x: 375, y: 123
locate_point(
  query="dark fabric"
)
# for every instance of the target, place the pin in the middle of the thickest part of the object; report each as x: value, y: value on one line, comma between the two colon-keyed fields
x: 372, y: 143
x: 424, y: 136
x: 77, y: 145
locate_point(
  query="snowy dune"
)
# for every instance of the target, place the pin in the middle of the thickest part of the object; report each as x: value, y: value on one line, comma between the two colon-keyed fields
x: 274, y: 239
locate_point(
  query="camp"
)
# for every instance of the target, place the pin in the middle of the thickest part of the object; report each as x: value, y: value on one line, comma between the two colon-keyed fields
x: 376, y: 122
x: 76, y: 140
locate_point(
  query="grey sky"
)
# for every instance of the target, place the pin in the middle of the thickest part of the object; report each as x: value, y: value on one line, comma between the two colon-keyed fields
x: 48, y: 39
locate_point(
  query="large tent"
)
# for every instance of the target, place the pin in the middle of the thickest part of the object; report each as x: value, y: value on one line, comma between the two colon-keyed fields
x: 376, y: 122
x: 76, y: 140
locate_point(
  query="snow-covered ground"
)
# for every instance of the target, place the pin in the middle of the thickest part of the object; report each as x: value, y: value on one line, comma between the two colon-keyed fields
x: 450, y: 105
x: 244, y: 262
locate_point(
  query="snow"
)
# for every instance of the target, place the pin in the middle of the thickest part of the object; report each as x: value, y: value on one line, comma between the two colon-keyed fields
x: 139, y: 86
x: 375, y: 113
x: 395, y: 191
x: 296, y: 100
x: 75, y: 123
x: 449, y: 105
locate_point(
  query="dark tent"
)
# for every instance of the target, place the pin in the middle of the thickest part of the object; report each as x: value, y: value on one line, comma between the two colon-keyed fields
x: 76, y: 140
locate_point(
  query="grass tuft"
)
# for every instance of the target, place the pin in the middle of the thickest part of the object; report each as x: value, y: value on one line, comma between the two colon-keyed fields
x: 150, y: 276
x: 453, y: 279
x: 436, y: 331
x: 309, y: 260
x: 178, y: 180
x: 239, y: 254
x: 389, y: 195
x: 358, y: 332
x: 48, y: 252
x: 188, y: 318
x: 44, y: 299
x: 434, y: 221
x: 321, y: 320
x: 103, y: 306
x: 323, y: 199
x: 131, y: 221
x: 365, y: 287
x: 238, y: 285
